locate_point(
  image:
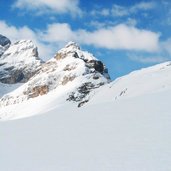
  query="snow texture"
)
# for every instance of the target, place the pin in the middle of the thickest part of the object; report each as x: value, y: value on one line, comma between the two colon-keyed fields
x: 125, y: 135
x: 19, y: 62
x: 124, y: 126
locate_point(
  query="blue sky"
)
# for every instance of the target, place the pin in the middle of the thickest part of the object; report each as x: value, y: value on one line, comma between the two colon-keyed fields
x: 125, y: 34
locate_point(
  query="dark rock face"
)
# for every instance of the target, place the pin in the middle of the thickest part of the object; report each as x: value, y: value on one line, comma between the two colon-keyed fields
x: 15, y: 76
x: 4, y: 40
x: 97, y: 65
x: 4, y: 44
x: 82, y: 92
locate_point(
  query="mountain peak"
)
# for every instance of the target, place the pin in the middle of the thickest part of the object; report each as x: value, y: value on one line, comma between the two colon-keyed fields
x: 24, y: 46
x: 72, y: 49
x: 76, y: 73
x: 19, y: 62
x: 72, y: 44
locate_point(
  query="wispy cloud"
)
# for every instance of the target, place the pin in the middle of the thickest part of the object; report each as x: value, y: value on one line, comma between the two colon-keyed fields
x: 49, y: 6
x: 144, y: 6
x: 120, y: 11
x: 147, y: 59
x: 110, y: 23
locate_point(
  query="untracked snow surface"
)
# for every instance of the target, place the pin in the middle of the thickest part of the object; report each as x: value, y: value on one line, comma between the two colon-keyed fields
x: 130, y: 135
x: 124, y: 127
x: 66, y: 114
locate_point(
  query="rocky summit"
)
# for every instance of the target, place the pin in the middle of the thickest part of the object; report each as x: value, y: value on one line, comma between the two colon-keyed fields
x: 73, y: 72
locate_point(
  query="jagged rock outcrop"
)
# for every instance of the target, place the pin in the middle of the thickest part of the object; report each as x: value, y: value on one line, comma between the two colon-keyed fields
x: 19, y: 62
x: 4, y: 44
x: 75, y: 72
x: 4, y: 41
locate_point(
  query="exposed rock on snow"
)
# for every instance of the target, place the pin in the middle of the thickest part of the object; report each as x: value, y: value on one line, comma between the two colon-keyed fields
x: 19, y: 62
x: 4, y: 44
x: 4, y: 41
x: 37, y: 90
x: 82, y: 92
x: 74, y: 71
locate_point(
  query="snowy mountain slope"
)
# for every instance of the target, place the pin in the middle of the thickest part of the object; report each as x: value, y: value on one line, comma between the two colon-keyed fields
x: 19, y: 62
x: 132, y: 134
x: 73, y: 71
x: 124, y: 126
x: 145, y: 81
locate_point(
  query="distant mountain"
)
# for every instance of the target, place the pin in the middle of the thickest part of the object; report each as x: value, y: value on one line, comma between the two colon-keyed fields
x: 19, y: 62
x: 74, y: 71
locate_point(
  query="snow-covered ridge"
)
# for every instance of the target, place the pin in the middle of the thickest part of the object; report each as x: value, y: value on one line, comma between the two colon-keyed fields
x: 72, y: 76
x: 19, y: 62
x: 144, y: 81
x: 74, y: 71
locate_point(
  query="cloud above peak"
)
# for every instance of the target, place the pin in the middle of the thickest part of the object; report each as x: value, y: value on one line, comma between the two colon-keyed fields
x: 122, y: 11
x: 116, y: 37
x: 49, y: 6
x: 122, y: 37
x: 119, y: 37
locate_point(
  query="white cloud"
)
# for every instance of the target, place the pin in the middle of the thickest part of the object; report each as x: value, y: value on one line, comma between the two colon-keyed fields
x: 121, y: 37
x: 142, y: 6
x: 97, y: 24
x: 58, y: 32
x: 16, y: 34
x: 120, y: 11
x: 125, y: 11
x: 44, y: 6
x: 56, y: 35
x: 117, y: 37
